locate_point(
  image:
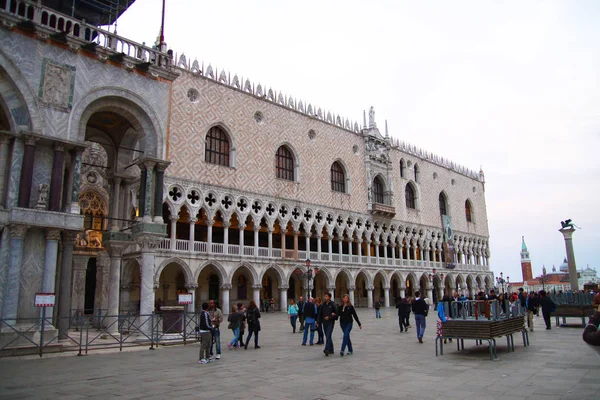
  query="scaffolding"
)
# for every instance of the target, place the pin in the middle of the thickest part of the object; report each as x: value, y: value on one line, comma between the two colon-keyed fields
x: 95, y: 12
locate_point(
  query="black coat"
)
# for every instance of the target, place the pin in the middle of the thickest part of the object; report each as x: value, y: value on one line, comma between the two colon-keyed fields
x: 327, y: 310
x: 253, y: 319
x: 547, y: 304
x: 403, y: 308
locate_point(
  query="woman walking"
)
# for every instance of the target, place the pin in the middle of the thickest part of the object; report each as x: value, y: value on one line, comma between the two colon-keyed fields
x: 293, y: 314
x: 252, y: 319
x: 347, y: 313
x: 235, y: 320
x: 319, y: 303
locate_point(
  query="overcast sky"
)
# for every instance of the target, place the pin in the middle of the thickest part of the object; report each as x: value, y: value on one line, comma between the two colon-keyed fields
x: 512, y: 86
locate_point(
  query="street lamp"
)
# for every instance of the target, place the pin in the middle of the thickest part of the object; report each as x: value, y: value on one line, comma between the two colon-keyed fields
x: 309, y: 275
x: 501, y: 281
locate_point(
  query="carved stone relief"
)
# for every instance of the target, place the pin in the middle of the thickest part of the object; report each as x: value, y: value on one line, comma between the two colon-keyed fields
x: 56, y: 85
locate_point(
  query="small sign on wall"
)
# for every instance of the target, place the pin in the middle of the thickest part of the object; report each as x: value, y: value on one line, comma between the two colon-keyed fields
x: 45, y: 299
x: 187, y: 298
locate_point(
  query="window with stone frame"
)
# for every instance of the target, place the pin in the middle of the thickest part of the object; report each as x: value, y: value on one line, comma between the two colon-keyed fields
x: 284, y: 164
x: 377, y: 190
x: 442, y: 200
x: 468, y: 211
x: 338, y: 178
x: 409, y: 194
x: 217, y: 147
x: 402, y: 168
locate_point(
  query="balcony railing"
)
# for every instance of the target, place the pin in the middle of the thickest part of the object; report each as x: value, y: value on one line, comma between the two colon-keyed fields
x: 276, y: 253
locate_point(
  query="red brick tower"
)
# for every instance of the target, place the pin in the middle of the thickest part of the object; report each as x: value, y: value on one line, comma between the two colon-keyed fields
x: 525, y: 263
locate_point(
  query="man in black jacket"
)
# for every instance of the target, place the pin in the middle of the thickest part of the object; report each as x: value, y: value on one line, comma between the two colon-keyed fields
x: 403, y: 310
x: 327, y: 317
x: 548, y: 307
x: 301, y: 305
x: 420, y: 309
x: 591, y: 334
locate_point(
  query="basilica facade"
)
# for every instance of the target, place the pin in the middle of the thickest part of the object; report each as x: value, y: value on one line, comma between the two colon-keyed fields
x: 130, y: 175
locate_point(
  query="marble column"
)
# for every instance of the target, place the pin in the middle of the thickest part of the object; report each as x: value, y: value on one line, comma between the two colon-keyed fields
x: 394, y: 253
x: 148, y: 244
x: 226, y: 225
x: 351, y: 293
x: 307, y: 243
x: 283, y: 289
x: 370, y: 297
x: 64, y: 287
x: 386, y: 294
x: 191, y: 288
x: 331, y: 291
x: 225, y: 290
x: 340, y: 248
x: 256, y: 293
x: 385, y: 253
x: 4, y: 142
x: 403, y: 291
x: 102, y: 278
x: 359, y: 245
x: 256, y: 230
x: 567, y: 233
x: 158, y: 191
x: 114, y: 200
x: 149, y: 190
x: 429, y: 293
x: 192, y: 233
x: 56, y: 182
x: 283, y: 249
x: 270, y: 241
x: 50, y: 259
x: 14, y: 174
x: 368, y: 250
x: 114, y: 284
x: 142, y: 197
x: 319, y: 237
x: 173, y: 237
x: 209, y: 235
x: 296, y: 233
x: 80, y: 263
x: 241, y: 240
x: 27, y: 172
x: 13, y: 277
x: 76, y: 180
x: 350, y: 248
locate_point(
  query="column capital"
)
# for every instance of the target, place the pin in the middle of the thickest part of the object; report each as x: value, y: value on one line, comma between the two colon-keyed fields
x: 386, y: 288
x: 370, y: 288
x: 80, y: 261
x: 319, y: 236
x: 58, y: 146
x: 155, y: 285
x: 226, y: 224
x: 256, y: 287
x: 18, y: 231
x: 53, y: 234
x: 149, y: 164
x: 402, y: 287
x: 148, y: 243
x: 283, y: 287
x: 283, y: 231
x: 191, y: 286
x: 193, y: 221
x: 242, y: 226
x: 69, y: 237
x: 331, y: 289
x: 161, y: 166
x: 226, y: 286
x: 256, y: 228
x: 174, y: 217
x: 30, y: 140
x: 351, y: 288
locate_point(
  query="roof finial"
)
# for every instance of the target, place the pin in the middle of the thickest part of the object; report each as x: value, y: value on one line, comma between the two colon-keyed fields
x: 372, y: 123
x: 386, y: 129
x: 364, y: 119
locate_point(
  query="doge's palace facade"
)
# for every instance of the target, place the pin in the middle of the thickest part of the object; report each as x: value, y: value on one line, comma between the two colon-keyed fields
x: 129, y: 175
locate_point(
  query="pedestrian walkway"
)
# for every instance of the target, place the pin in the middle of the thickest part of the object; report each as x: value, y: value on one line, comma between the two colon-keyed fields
x: 386, y: 364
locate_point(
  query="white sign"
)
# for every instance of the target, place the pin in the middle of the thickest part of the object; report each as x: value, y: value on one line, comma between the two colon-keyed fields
x: 187, y: 298
x: 45, y: 299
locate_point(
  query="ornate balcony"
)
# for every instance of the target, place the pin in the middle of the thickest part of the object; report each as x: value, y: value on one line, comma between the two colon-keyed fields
x: 383, y: 210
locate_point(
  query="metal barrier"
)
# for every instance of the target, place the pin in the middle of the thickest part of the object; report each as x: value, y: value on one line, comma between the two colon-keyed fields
x: 96, y: 332
x: 488, y: 309
x: 576, y: 299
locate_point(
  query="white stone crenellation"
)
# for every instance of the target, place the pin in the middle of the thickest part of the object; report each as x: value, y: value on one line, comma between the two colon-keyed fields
x: 290, y: 102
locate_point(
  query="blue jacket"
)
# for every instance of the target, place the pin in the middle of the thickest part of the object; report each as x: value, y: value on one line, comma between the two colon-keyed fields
x: 441, y: 312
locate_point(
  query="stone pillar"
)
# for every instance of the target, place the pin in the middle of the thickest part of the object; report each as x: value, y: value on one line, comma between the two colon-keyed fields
x: 368, y: 248
x: 14, y: 174
x: 158, y: 191
x: 296, y: 233
x: 330, y: 247
x: 242, y: 227
x: 340, y: 248
x: 350, y: 247
x: 173, y: 237
x: 319, y: 237
x: 351, y: 293
x: 568, y: 235
x: 142, y: 198
x: 4, y: 142
x: 56, y: 182
x: 27, y: 172
x: 225, y: 289
x: 13, y: 276
x: 331, y: 290
x: 102, y: 278
x: 403, y: 291
x: 80, y: 263
x: 307, y: 242
x: 370, y: 296
x: 226, y: 225
x: 50, y: 259
x: 394, y: 252
x: 386, y: 294
x: 191, y: 288
x: 256, y: 230
x: 359, y: 245
x: 209, y: 235
x: 283, y: 249
x: 149, y: 189
x: 76, y: 180
x: 270, y: 240
x: 64, y: 287
x: 385, y: 255
x: 114, y: 283
x: 192, y: 233
x: 256, y: 293
x: 429, y: 292
x: 148, y: 244
x: 114, y: 200
x: 283, y: 298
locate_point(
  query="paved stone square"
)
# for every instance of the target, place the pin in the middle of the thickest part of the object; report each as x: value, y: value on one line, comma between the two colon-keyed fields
x: 386, y: 365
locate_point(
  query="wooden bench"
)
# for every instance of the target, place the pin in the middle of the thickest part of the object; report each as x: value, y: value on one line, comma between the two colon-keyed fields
x: 573, y: 311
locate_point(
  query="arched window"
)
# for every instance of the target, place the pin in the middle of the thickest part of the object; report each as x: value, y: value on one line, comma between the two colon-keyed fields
x: 217, y: 147
x: 409, y: 194
x: 377, y: 190
x: 468, y: 211
x: 417, y: 173
x: 402, y: 168
x: 284, y: 164
x: 443, y: 204
x: 338, y: 178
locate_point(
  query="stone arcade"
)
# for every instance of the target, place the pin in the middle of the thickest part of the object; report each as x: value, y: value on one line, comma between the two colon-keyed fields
x: 128, y: 175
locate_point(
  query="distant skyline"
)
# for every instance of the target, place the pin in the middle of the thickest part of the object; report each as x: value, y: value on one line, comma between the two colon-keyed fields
x: 512, y: 87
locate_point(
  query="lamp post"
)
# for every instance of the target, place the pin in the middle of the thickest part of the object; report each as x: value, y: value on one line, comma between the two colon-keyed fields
x: 309, y: 275
x: 500, y: 281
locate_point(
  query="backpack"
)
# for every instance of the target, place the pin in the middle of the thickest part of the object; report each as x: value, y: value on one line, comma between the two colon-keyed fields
x: 250, y: 317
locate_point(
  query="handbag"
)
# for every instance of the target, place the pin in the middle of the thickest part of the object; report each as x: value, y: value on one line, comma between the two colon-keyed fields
x: 230, y: 326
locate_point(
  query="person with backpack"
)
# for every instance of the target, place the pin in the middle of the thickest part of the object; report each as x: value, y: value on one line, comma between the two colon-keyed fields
x: 310, y: 317
x: 326, y: 318
x: 293, y: 314
x: 205, y: 328
x: 252, y: 319
x: 377, y: 306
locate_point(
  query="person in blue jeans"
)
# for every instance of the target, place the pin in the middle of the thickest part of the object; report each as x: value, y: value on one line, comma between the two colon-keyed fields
x: 420, y: 309
x: 235, y: 319
x: 347, y: 313
x: 377, y: 306
x: 310, y: 316
x: 293, y: 314
x: 326, y: 318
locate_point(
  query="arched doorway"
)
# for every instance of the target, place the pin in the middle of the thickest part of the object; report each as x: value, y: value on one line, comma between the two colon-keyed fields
x: 342, y: 281
x: 410, y: 286
x: 171, y: 285
x: 241, y: 286
x: 90, y: 287
x: 395, y: 288
x: 378, y: 288
x: 130, y: 287
x: 269, y: 287
x: 361, y: 293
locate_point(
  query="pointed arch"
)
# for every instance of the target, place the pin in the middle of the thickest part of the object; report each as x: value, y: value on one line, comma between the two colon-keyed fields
x: 287, y: 163
x: 368, y: 278
x: 443, y: 203
x: 281, y: 275
x: 384, y: 277
x: 219, y: 145
x: 249, y: 267
x: 223, y: 276
x: 345, y: 271
x: 189, y: 276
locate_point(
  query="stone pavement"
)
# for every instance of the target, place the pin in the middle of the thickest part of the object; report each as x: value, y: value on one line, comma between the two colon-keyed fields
x: 386, y: 365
